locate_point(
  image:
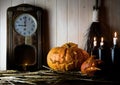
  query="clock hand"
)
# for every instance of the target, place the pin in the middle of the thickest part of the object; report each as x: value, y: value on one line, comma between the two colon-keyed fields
x: 21, y: 25
x: 25, y: 21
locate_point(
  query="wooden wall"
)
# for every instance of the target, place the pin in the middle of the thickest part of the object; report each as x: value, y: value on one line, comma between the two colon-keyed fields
x: 64, y: 21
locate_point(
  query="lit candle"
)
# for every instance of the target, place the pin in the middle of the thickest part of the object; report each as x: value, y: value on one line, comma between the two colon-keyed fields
x: 100, y: 49
x: 115, y: 38
x: 102, y: 43
x: 94, y: 42
x: 113, y: 49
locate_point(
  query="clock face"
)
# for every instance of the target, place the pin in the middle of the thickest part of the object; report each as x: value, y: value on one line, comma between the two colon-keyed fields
x: 25, y: 25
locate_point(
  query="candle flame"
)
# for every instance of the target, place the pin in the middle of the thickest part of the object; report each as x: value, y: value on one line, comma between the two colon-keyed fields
x: 94, y: 42
x: 94, y: 38
x: 115, y: 34
x: 115, y: 38
x: 102, y: 39
x: 102, y: 43
x: 26, y: 64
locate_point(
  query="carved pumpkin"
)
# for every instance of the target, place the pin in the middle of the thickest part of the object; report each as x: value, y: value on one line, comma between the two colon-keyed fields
x: 67, y: 57
x: 90, y: 66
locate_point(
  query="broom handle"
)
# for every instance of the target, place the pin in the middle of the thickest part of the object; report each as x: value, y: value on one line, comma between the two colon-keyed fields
x: 97, y: 3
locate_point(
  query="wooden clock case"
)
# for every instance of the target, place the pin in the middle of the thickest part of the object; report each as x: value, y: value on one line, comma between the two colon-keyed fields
x: 17, y: 50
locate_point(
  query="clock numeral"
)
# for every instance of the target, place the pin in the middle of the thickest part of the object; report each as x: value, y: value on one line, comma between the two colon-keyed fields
x: 32, y: 29
x: 24, y: 17
x: 33, y: 25
x: 24, y: 29
x: 32, y: 21
x: 24, y: 33
x: 20, y: 19
x: 29, y: 19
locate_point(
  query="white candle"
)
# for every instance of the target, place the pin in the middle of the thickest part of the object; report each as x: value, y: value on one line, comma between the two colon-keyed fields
x: 100, y: 54
x: 100, y: 49
x: 94, y: 42
x: 102, y: 43
x: 115, y: 38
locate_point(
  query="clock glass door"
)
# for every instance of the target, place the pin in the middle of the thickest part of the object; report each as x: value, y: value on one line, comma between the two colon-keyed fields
x: 25, y: 25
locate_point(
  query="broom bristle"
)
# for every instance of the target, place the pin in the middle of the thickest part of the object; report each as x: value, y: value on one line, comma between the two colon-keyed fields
x: 95, y: 30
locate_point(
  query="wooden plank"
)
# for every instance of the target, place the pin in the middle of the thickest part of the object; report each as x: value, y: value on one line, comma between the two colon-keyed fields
x: 84, y: 22
x: 4, y: 5
x: 40, y: 3
x: 73, y: 21
x: 17, y: 2
x: 32, y: 2
x: 115, y: 12
x: 51, y: 7
x: 62, y: 22
x: 0, y: 33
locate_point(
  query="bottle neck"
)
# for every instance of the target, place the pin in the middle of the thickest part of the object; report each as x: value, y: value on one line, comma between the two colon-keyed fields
x: 114, y: 46
x: 101, y: 46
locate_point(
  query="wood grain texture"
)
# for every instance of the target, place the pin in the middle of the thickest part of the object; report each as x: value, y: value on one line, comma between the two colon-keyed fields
x: 40, y: 3
x: 4, y: 5
x: 32, y: 2
x: 62, y: 22
x: 0, y: 34
x: 16, y: 2
x: 52, y: 20
x: 84, y: 17
x: 73, y: 21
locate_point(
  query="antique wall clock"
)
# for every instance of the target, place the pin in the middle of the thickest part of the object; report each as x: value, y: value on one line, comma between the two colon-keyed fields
x: 24, y: 43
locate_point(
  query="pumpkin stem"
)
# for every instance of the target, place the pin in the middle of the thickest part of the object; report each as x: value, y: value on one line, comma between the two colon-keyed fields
x: 68, y: 45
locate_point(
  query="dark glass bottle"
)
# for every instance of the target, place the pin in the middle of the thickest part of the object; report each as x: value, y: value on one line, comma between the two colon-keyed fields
x: 101, y: 52
x: 104, y: 55
x: 115, y: 56
x: 115, y: 51
x: 115, y: 59
x: 104, y: 52
x: 95, y: 52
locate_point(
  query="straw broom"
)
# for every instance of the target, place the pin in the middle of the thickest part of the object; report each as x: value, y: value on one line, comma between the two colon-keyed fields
x: 95, y: 29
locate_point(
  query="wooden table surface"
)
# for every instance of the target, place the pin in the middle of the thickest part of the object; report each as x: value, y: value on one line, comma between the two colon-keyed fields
x: 48, y: 77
